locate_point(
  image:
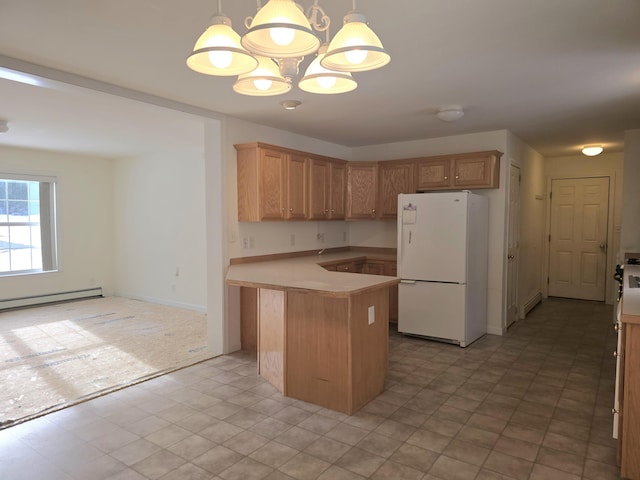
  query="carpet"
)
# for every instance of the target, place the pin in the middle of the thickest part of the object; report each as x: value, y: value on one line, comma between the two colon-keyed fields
x: 57, y: 355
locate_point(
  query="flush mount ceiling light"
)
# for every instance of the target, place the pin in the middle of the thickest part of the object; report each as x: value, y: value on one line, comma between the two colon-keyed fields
x: 283, y: 33
x: 290, y: 104
x: 4, y: 126
x: 592, y: 150
x: 450, y: 113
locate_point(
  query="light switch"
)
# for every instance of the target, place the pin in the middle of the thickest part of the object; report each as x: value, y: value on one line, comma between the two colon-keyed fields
x: 372, y: 314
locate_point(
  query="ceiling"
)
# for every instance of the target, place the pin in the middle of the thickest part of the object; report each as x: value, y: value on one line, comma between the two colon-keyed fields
x: 558, y: 75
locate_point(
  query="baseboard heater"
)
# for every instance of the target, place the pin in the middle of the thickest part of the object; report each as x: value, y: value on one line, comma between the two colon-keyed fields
x: 532, y: 302
x: 34, y: 300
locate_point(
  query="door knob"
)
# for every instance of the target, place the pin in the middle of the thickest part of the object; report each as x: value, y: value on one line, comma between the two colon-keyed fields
x: 603, y: 246
x: 511, y: 257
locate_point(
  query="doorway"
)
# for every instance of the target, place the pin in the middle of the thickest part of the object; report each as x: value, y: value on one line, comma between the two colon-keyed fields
x: 578, y: 238
x: 513, y: 244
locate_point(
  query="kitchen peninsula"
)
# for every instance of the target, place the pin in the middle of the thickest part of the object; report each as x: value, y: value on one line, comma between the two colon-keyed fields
x: 322, y: 336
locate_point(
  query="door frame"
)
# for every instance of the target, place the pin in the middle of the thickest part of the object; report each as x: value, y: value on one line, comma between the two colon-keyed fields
x: 611, y: 253
x: 519, y: 314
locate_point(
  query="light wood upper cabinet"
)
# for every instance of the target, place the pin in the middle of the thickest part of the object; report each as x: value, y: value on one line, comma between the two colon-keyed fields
x: 395, y: 177
x: 463, y: 171
x: 434, y: 173
x: 271, y: 184
x: 477, y: 170
x: 362, y: 183
x: 327, y: 185
x: 276, y: 183
x: 296, y: 184
x: 338, y: 190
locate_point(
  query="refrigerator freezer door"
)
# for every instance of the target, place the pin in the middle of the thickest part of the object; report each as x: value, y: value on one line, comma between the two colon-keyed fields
x: 432, y: 237
x: 433, y: 310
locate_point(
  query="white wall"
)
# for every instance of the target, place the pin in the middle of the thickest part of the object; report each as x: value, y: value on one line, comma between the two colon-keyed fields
x: 532, y: 220
x: 497, y: 140
x: 607, y: 165
x: 630, y: 235
x: 85, y: 222
x: 159, y: 235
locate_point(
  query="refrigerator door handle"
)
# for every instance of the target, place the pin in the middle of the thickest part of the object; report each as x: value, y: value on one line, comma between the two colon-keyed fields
x: 411, y: 282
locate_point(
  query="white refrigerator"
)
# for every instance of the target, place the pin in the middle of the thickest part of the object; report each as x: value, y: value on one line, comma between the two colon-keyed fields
x: 443, y: 243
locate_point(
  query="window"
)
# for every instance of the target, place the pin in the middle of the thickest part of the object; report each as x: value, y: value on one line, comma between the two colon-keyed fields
x: 27, y: 224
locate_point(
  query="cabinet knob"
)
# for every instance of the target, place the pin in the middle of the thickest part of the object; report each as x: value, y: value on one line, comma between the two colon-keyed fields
x: 616, y: 327
x: 332, y: 210
x: 282, y: 209
x: 326, y: 210
x: 291, y: 209
x: 373, y: 212
x: 446, y: 178
x: 457, y: 177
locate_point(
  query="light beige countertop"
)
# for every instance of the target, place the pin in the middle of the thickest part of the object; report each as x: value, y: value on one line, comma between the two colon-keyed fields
x: 306, y: 273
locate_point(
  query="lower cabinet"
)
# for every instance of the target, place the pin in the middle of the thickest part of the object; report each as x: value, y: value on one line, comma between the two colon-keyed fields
x: 630, y: 403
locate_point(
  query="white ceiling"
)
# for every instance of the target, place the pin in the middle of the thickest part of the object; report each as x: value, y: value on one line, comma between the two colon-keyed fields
x: 558, y: 74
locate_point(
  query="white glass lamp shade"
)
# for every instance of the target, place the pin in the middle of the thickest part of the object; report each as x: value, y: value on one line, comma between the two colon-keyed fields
x: 263, y: 81
x: 280, y: 30
x: 355, y: 48
x: 592, y: 150
x: 218, y: 51
x: 318, y: 79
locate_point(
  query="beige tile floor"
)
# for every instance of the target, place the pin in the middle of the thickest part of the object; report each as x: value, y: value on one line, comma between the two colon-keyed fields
x: 534, y: 404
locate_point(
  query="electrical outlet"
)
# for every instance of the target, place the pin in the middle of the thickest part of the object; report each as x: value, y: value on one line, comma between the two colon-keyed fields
x: 372, y: 314
x: 292, y: 239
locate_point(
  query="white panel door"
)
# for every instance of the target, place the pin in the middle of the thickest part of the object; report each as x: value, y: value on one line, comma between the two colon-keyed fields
x: 432, y: 309
x: 432, y: 238
x: 578, y: 238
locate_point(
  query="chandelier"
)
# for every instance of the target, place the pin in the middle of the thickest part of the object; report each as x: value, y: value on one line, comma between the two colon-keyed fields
x: 268, y: 56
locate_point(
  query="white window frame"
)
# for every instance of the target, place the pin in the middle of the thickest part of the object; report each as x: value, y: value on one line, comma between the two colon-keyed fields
x: 48, y: 223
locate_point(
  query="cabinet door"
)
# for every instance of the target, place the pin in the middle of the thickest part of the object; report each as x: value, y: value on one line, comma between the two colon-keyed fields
x: 296, y: 187
x: 373, y: 267
x: 319, y: 181
x: 362, y: 182
x: 477, y: 171
x: 337, y: 191
x: 272, y: 190
x: 391, y: 269
x: 395, y: 178
x: 434, y: 174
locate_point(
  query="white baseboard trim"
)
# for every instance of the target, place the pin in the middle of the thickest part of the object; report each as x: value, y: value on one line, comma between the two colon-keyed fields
x: 162, y: 301
x: 34, y: 300
x: 532, y: 302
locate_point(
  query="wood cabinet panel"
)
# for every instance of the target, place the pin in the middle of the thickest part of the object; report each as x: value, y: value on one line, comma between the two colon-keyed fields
x: 319, y: 189
x: 338, y: 190
x: 296, y: 182
x: 476, y: 171
x: 271, y: 337
x: 434, y: 174
x: 395, y: 178
x: 630, y: 401
x: 318, y: 349
x: 373, y: 267
x: 249, y: 319
x: 461, y: 171
x: 362, y: 184
x: 327, y: 188
x: 369, y: 345
x: 276, y: 183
